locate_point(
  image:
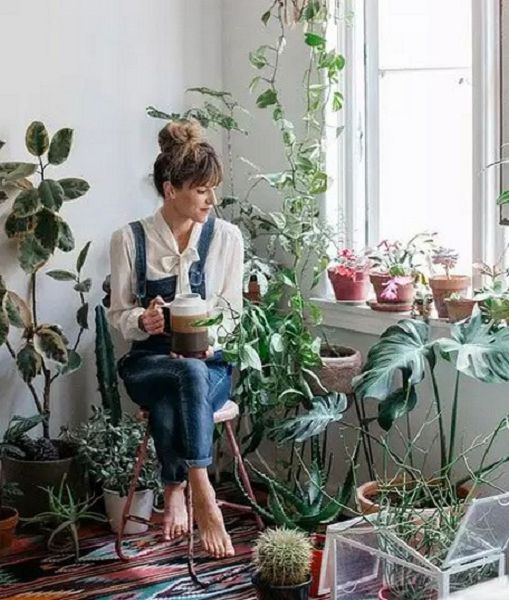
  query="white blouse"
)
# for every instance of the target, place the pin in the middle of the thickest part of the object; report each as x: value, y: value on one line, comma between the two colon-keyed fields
x: 223, y: 271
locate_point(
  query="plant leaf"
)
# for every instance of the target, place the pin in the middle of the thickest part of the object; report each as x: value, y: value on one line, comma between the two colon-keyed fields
x: 19, y: 227
x: 82, y: 316
x: 47, y: 229
x: 50, y: 344
x: 82, y: 257
x: 13, y: 171
x: 29, y: 362
x: 32, y: 255
x: 18, y: 426
x: 18, y: 312
x: 36, y: 138
x: 61, y: 275
x: 314, y: 40
x: 84, y: 286
x: 4, y: 324
x: 52, y: 194
x: 74, y: 362
x: 60, y: 146
x: 65, y: 237
x: 266, y: 17
x: 396, y: 405
x: 26, y: 203
x: 249, y: 358
x: 266, y: 98
x: 74, y: 187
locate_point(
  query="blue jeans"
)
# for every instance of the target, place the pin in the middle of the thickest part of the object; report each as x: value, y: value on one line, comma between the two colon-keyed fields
x: 182, y: 395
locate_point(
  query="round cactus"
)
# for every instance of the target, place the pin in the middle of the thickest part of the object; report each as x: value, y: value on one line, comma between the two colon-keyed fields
x: 282, y: 557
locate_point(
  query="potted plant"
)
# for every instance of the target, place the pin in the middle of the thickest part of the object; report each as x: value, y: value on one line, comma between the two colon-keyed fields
x: 282, y: 558
x: 108, y: 452
x: 9, y: 516
x: 475, y: 350
x: 459, y: 307
x: 493, y: 295
x: 444, y: 285
x: 349, y: 276
x: 64, y: 517
x: 396, y: 268
x: 423, y: 302
x: 340, y: 364
x: 40, y: 350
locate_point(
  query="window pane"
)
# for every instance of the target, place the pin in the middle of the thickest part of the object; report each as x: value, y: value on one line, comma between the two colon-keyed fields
x: 425, y: 124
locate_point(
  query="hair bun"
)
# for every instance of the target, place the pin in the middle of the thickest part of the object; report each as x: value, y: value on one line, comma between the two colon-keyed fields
x: 184, y: 133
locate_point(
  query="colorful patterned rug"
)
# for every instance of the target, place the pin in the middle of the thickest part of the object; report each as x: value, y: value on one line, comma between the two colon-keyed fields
x: 155, y: 572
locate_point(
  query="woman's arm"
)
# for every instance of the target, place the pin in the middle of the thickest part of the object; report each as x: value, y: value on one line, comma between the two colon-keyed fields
x: 124, y: 313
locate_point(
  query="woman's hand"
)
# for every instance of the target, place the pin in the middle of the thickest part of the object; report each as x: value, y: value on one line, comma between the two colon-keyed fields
x: 152, y: 319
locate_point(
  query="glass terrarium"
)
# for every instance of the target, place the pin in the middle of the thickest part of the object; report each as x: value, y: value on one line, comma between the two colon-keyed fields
x: 367, y: 560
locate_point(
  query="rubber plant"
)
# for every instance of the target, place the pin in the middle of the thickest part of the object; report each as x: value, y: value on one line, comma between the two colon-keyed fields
x: 43, y: 352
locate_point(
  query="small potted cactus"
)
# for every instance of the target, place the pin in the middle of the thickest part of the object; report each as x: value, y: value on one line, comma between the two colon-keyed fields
x: 445, y: 285
x: 283, y: 565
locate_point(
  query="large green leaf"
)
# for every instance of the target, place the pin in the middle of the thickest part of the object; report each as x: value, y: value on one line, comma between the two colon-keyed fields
x: 65, y: 237
x: 74, y: 187
x: 396, y: 405
x: 47, y: 229
x: 32, y: 255
x: 16, y: 227
x: 36, y: 138
x: 52, y: 194
x: 27, y: 203
x: 60, y: 146
x: 326, y: 409
x: 403, y: 347
x: 478, y: 351
x: 50, y: 344
x: 29, y: 362
x: 16, y: 170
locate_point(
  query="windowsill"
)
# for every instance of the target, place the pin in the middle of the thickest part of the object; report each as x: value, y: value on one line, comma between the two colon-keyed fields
x: 362, y: 319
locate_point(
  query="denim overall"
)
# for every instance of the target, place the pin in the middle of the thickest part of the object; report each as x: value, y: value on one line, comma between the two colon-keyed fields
x: 181, y: 394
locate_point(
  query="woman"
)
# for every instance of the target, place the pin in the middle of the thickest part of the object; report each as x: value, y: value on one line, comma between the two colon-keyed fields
x: 182, y: 248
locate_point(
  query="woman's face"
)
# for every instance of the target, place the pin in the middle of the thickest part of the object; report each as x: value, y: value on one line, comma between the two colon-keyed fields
x: 188, y: 202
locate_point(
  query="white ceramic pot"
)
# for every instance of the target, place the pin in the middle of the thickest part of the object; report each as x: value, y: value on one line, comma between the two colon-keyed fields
x: 141, y: 507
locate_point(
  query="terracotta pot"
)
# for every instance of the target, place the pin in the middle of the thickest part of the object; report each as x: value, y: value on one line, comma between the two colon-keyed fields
x: 367, y: 492
x: 347, y: 288
x: 31, y: 476
x: 8, y: 521
x: 265, y: 591
x: 253, y: 293
x: 387, y: 594
x: 443, y: 287
x: 458, y: 310
x: 405, y: 293
x: 337, y: 372
x: 316, y: 563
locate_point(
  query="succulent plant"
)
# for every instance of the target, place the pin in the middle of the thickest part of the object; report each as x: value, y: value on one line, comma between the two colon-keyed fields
x: 446, y: 258
x: 106, y: 366
x: 282, y: 557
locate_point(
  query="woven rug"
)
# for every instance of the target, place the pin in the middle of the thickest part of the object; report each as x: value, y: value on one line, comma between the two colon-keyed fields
x: 157, y: 570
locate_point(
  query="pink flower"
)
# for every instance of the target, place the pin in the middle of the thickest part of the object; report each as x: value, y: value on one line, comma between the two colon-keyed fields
x: 391, y: 287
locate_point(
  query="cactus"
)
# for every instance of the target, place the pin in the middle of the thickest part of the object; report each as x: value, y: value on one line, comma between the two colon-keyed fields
x: 106, y: 366
x: 283, y: 557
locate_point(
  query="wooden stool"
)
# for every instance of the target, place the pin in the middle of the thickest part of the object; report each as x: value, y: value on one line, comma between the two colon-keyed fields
x: 226, y: 415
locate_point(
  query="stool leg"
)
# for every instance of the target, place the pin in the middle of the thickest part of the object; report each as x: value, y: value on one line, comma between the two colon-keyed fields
x: 242, y: 468
x: 140, y: 459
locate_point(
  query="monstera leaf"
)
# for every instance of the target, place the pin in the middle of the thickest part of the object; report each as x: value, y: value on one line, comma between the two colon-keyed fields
x: 399, y: 403
x: 403, y: 347
x: 478, y: 351
x: 326, y: 409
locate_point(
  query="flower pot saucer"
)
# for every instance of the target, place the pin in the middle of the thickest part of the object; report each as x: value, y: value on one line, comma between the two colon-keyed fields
x: 390, y: 307
x: 351, y: 302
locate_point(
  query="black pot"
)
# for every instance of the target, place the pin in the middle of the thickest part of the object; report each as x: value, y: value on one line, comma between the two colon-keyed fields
x: 32, y: 475
x: 265, y: 591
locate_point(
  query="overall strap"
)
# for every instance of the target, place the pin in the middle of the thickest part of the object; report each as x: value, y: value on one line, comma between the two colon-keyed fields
x: 140, y: 262
x: 206, y: 235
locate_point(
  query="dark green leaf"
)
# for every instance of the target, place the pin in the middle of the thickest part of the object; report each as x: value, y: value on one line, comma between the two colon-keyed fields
x: 18, y: 227
x: 65, y: 237
x: 314, y: 40
x: 267, y: 98
x: 503, y: 198
x: 228, y: 201
x: 82, y: 316
x: 27, y: 203
x: 82, y: 257
x: 73, y: 362
x: 36, y: 138
x: 266, y: 17
x: 47, y: 229
x: 19, y: 426
x: 60, y: 275
x: 159, y: 114
x: 396, y: 405
x: 60, y: 146
x: 52, y: 194
x: 50, y: 344
x: 29, y: 362
x: 73, y: 187
x: 32, y: 255
x: 83, y: 286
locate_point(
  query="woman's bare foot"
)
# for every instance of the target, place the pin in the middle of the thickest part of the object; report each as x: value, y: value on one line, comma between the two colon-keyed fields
x: 176, y: 522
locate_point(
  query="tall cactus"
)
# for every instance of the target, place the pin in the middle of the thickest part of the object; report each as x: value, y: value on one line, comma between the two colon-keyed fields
x: 106, y: 366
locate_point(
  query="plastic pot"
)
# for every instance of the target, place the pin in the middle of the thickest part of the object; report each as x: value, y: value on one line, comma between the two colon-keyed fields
x: 443, y: 287
x: 141, y: 506
x: 316, y: 563
x: 265, y: 591
x: 349, y: 289
x: 404, y: 294
x: 8, y: 521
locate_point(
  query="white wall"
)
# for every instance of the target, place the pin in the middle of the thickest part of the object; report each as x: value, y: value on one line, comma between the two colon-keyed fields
x: 95, y: 65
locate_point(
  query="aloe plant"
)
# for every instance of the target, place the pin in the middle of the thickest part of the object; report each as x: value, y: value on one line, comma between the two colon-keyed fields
x: 36, y: 226
x: 106, y: 366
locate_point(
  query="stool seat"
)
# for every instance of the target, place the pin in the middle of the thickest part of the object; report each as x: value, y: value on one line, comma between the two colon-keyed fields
x: 228, y: 412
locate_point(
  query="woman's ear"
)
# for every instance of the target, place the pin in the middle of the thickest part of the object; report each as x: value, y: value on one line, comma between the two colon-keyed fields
x: 169, y: 190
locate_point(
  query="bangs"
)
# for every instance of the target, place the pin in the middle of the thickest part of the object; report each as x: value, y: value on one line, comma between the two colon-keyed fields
x: 207, y: 172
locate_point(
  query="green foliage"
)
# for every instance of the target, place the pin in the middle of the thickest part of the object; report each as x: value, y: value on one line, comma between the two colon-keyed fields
x: 283, y: 557
x: 106, y: 367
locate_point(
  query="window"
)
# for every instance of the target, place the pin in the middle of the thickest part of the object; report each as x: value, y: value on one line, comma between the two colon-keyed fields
x: 420, y: 124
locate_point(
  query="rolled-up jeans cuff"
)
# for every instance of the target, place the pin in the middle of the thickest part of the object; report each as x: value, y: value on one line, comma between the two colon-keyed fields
x: 197, y: 463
